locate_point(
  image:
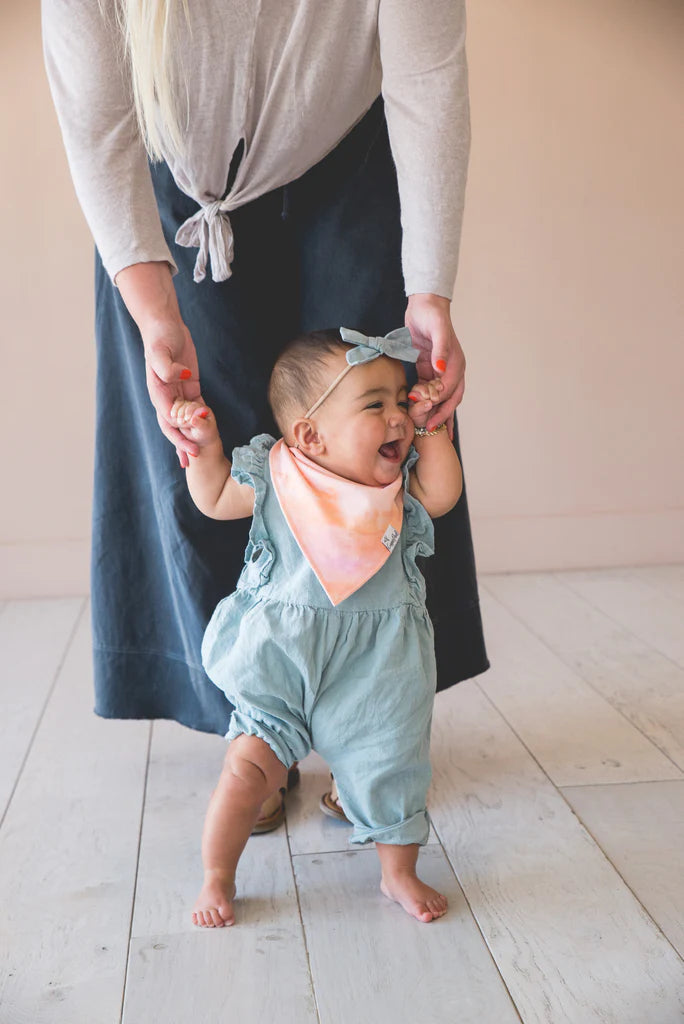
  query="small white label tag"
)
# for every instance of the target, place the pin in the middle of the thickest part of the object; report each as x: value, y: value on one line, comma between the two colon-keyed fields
x: 390, y: 538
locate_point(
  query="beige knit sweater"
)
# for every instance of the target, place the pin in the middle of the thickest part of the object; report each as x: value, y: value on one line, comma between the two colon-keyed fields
x: 291, y: 77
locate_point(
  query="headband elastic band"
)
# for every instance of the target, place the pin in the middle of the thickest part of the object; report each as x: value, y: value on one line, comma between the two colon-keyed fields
x: 327, y: 391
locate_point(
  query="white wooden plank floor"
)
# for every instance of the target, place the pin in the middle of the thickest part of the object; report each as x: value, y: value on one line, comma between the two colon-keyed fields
x: 558, y: 835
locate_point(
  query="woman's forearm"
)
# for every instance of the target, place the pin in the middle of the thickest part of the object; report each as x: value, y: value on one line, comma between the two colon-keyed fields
x: 171, y: 364
x: 150, y: 297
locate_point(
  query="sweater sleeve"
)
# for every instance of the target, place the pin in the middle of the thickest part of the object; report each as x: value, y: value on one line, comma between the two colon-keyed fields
x: 425, y: 89
x: 107, y: 158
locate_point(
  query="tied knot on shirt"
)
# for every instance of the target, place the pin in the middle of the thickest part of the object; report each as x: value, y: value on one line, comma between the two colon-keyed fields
x: 210, y: 230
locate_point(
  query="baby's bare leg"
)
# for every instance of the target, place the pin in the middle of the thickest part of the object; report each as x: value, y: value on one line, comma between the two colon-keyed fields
x: 401, y: 884
x: 251, y: 772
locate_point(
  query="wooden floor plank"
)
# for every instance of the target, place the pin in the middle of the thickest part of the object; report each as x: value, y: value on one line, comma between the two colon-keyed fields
x: 371, y: 961
x: 654, y: 616
x: 255, y: 971
x: 640, y: 828
x: 667, y: 578
x: 570, y: 940
x: 576, y: 736
x: 640, y: 682
x: 237, y: 974
x: 68, y: 853
x: 310, y: 830
x: 34, y: 636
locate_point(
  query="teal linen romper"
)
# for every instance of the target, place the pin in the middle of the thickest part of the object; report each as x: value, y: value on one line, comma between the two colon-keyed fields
x: 355, y: 682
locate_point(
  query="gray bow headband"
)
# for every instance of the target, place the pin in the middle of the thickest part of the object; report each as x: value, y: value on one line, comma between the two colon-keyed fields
x: 397, y: 345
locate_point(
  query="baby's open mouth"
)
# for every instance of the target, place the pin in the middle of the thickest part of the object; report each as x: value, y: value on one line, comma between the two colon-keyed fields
x: 390, y: 451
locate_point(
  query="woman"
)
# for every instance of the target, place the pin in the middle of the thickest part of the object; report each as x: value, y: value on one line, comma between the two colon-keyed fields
x: 312, y: 174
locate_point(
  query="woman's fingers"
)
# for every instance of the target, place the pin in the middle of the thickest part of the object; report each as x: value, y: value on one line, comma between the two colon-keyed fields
x: 171, y: 366
x: 428, y: 317
x: 444, y: 412
x: 172, y: 373
x: 163, y: 394
x: 442, y: 337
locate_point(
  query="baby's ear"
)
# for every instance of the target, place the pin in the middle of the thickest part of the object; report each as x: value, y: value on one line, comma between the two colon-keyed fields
x: 306, y: 439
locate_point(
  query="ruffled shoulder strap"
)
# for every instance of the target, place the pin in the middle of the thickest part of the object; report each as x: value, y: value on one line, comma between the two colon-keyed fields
x: 419, y: 533
x: 410, y: 462
x: 249, y: 462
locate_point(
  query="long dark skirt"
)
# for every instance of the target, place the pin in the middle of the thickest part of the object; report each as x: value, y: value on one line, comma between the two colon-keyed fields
x: 323, y: 251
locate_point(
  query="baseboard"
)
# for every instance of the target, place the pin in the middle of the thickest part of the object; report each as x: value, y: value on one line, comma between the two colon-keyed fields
x: 599, y: 540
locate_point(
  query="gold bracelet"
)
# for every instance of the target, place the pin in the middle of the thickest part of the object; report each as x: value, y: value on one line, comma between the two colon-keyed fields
x: 422, y: 432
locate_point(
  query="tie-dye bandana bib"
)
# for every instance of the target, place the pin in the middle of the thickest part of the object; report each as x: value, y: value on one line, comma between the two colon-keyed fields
x: 345, y: 530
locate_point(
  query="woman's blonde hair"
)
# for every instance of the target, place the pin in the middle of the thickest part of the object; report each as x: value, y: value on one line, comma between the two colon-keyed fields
x: 149, y: 29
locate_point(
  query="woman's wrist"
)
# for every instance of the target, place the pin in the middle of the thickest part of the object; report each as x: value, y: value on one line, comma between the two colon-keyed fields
x: 429, y: 299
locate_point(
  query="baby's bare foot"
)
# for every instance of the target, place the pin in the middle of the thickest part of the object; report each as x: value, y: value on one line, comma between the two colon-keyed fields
x: 214, y: 906
x: 418, y: 899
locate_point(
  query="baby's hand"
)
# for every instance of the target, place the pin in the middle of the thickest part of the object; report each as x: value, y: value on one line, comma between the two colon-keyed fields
x: 422, y: 397
x: 195, y: 421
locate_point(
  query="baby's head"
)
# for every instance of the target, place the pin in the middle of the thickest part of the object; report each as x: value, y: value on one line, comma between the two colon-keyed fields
x: 361, y: 430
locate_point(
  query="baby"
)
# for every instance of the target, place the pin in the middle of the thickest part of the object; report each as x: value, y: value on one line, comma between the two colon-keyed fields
x: 326, y: 643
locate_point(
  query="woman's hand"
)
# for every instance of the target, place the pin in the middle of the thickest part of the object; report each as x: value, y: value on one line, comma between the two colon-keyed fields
x: 170, y: 357
x: 195, y: 420
x: 172, y: 373
x: 428, y: 317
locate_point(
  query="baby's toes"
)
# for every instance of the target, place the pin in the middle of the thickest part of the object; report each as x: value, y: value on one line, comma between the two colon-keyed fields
x: 437, y: 906
x: 424, y: 913
x: 227, y: 913
x: 216, y: 918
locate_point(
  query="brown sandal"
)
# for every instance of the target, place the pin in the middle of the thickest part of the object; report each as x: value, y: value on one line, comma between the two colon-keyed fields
x: 331, y: 807
x: 272, y: 821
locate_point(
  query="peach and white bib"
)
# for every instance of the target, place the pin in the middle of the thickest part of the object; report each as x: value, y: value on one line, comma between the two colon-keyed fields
x: 345, y: 530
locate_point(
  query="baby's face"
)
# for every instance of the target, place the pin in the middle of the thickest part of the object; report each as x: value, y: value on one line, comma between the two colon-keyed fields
x: 363, y: 424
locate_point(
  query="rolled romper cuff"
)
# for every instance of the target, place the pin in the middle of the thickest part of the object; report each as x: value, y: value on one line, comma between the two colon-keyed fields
x: 415, y: 829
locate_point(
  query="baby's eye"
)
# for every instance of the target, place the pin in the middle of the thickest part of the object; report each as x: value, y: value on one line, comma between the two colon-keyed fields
x: 404, y: 405
x: 375, y: 405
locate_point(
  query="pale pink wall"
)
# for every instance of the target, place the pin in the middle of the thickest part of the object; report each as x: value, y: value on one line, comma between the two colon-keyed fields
x: 568, y: 305
x: 571, y: 287
x: 46, y: 261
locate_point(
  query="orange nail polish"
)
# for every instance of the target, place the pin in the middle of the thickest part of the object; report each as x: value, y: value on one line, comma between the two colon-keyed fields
x: 203, y: 415
x: 413, y: 398
x: 185, y: 375
x: 441, y: 365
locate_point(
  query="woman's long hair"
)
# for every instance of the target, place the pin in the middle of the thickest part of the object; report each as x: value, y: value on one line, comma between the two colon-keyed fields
x: 149, y: 29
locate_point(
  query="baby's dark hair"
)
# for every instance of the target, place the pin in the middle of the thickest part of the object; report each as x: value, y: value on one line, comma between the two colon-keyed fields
x: 300, y: 374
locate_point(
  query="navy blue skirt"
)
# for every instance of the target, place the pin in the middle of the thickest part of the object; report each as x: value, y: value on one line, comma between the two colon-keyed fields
x: 322, y: 251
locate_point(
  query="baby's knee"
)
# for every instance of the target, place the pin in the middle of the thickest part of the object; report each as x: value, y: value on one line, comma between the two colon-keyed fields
x: 253, y: 767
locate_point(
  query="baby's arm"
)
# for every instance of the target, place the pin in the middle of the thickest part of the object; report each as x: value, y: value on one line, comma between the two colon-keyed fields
x: 436, y: 479
x: 211, y: 486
